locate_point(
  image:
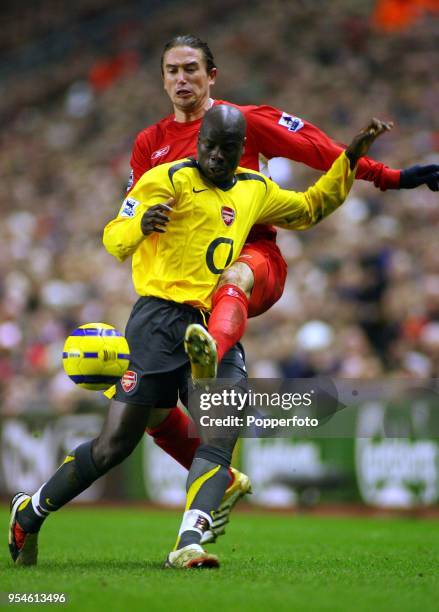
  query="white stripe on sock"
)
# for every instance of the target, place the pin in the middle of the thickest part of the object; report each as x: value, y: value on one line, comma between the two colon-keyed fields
x: 36, y: 503
x: 195, y: 520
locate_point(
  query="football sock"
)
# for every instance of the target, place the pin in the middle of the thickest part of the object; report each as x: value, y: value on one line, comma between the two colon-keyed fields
x: 75, y: 474
x: 172, y: 436
x: 207, y: 481
x: 228, y: 318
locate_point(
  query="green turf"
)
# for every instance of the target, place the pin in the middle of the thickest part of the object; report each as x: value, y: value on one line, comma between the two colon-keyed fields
x: 108, y: 559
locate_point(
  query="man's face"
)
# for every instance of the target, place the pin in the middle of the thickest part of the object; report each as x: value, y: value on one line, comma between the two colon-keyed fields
x: 185, y: 77
x: 219, y: 152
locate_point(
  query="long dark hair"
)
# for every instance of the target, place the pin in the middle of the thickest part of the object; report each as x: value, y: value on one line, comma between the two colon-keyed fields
x: 188, y: 40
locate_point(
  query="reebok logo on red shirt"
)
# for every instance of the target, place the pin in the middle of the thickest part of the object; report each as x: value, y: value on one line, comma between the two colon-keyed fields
x: 160, y: 152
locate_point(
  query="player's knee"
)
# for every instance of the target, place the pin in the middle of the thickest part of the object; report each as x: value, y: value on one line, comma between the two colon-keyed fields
x: 156, y: 417
x: 239, y: 275
x: 107, y: 453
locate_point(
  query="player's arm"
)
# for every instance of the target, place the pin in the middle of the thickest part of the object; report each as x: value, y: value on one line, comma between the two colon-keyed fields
x: 294, y: 210
x: 123, y: 234
x: 278, y: 134
x: 140, y: 158
x: 143, y: 213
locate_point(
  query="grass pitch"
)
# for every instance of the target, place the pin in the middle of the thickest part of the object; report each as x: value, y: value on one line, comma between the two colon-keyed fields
x: 110, y: 559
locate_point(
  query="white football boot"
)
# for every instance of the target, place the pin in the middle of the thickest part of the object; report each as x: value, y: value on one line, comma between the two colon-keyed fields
x: 192, y: 556
x: 23, y: 547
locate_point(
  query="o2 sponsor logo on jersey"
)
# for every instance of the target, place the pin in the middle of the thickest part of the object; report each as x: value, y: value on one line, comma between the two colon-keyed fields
x: 294, y: 124
x: 129, y: 208
x: 160, y: 152
x: 130, y: 180
x: 129, y: 381
x: 227, y: 215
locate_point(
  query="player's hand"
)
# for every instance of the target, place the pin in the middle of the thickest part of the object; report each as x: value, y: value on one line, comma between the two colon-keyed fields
x: 363, y: 140
x: 420, y: 175
x: 155, y: 219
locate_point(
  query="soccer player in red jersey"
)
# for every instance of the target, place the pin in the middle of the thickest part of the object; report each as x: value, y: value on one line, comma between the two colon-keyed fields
x: 256, y: 280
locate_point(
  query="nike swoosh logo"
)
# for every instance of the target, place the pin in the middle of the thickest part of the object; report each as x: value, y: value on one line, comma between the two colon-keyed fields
x: 198, y: 190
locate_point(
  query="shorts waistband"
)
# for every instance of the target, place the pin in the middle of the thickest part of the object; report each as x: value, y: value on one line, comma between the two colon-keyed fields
x: 183, y: 306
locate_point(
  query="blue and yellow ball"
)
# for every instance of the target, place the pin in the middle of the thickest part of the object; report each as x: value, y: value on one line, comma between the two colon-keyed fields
x: 95, y: 356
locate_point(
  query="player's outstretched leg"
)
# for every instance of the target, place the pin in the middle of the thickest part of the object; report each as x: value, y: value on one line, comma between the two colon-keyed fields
x: 121, y: 432
x: 77, y: 472
x: 228, y: 318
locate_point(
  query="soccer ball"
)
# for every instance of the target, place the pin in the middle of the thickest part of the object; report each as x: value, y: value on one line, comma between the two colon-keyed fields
x: 95, y: 356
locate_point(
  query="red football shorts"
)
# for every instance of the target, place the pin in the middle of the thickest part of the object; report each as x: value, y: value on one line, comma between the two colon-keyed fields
x: 269, y: 271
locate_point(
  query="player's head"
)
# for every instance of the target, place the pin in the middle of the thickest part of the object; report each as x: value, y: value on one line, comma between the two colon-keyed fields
x: 188, y: 71
x: 221, y: 143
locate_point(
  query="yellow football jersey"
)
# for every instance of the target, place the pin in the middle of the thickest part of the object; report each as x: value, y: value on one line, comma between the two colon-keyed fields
x: 209, y: 225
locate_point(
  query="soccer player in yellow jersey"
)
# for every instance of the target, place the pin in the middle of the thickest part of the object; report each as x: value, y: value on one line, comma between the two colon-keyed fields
x: 179, y: 249
x: 211, y: 206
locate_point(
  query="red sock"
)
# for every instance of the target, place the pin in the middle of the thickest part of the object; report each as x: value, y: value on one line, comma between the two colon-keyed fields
x: 228, y: 318
x: 173, y: 437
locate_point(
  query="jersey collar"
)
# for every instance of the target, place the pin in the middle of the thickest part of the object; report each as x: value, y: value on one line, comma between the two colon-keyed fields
x: 224, y: 186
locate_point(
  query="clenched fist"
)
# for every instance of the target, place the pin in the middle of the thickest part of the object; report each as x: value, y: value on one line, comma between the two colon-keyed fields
x: 155, y: 218
x: 363, y: 140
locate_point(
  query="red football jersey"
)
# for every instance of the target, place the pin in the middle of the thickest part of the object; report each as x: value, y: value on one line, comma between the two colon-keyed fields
x: 270, y: 132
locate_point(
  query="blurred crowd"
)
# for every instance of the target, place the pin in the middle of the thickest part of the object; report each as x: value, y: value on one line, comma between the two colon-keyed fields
x: 362, y: 296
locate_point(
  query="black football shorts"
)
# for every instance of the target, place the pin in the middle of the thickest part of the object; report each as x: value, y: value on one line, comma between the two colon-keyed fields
x: 159, y: 368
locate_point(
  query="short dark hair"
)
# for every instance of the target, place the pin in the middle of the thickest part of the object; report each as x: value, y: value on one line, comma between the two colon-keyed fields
x: 188, y: 40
